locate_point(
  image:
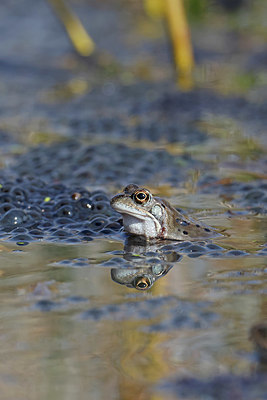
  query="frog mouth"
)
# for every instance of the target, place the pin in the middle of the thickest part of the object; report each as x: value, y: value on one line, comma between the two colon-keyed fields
x: 139, y: 214
x: 138, y: 221
x: 135, y: 219
x: 124, y: 209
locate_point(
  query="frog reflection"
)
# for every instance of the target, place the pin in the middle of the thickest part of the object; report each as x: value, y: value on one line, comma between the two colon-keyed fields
x: 146, y: 264
x: 258, y: 335
x: 139, y: 278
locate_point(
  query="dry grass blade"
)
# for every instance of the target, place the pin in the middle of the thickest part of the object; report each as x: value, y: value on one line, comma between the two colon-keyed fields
x: 80, y: 39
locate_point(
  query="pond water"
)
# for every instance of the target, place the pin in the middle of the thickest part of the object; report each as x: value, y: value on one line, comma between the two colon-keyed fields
x: 87, y: 311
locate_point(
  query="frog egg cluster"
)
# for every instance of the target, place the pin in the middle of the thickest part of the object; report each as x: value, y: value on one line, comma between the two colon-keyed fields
x: 102, y: 164
x: 30, y: 209
x: 154, y: 129
x: 250, y: 195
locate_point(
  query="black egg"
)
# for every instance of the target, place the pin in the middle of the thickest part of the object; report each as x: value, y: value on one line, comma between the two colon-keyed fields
x: 19, y: 193
x: 99, y: 196
x: 35, y: 215
x: 5, y: 198
x: 57, y: 187
x: 97, y: 224
x: 60, y: 233
x: 85, y: 204
x: 114, y: 226
x: 86, y: 232
x: 65, y: 211
x: 19, y: 229
x: 5, y: 207
x: 62, y: 202
x: 106, y: 231
x: 6, y: 187
x: 46, y: 225
x: 22, y: 239
x: 14, y: 217
x: 78, y: 193
x: 63, y: 220
x: 235, y: 253
x: 102, y: 206
x: 196, y: 248
x: 36, y: 232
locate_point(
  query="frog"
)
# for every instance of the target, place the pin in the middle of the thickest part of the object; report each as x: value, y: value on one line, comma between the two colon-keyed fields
x: 140, y: 278
x: 152, y: 217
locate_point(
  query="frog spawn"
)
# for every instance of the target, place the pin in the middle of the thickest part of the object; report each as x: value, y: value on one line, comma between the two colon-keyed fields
x: 73, y: 161
x: 252, y: 196
x: 32, y: 210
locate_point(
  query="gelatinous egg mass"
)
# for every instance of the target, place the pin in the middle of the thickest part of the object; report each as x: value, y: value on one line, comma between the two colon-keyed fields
x: 31, y: 209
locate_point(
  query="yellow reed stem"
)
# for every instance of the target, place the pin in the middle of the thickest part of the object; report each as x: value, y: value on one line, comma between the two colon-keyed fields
x: 80, y: 39
x: 181, y: 41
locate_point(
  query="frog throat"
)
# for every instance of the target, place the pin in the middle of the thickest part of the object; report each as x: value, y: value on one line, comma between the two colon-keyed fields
x: 144, y: 223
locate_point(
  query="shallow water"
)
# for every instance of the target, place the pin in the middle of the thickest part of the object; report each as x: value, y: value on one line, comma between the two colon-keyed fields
x: 88, y: 312
x: 68, y: 325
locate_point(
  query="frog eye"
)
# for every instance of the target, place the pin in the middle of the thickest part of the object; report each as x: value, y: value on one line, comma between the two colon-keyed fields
x: 142, y: 283
x: 141, y: 196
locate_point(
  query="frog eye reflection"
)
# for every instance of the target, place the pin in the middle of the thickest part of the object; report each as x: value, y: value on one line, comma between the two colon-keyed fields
x: 141, y: 283
x: 141, y: 197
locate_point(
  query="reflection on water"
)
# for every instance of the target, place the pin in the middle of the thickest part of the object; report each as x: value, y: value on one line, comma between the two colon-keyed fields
x: 139, y: 278
x: 77, y: 330
x: 146, y: 264
x: 69, y: 327
x: 258, y: 334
